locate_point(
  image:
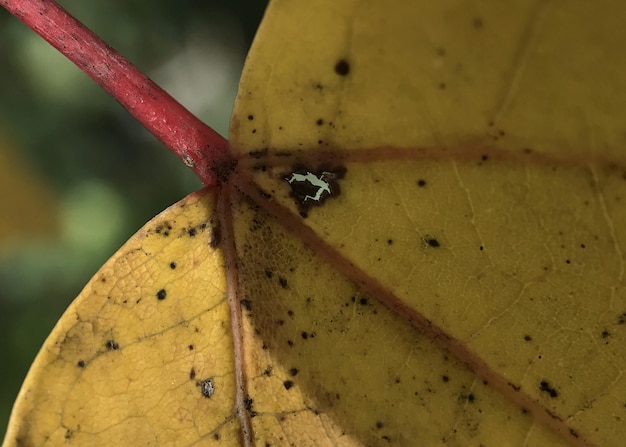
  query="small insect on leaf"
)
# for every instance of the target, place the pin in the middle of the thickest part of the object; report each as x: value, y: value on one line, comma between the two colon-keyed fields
x: 311, y: 187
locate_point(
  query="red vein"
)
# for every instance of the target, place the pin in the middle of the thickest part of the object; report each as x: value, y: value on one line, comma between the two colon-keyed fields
x: 224, y: 209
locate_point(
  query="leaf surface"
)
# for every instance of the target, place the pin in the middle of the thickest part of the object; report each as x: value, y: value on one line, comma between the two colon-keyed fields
x: 422, y: 244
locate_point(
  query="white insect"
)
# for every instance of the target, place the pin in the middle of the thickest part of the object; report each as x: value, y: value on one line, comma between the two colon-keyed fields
x: 314, y: 180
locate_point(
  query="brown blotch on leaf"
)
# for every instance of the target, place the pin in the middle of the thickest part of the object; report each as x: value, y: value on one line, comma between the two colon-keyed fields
x: 216, y: 237
x: 342, y: 67
x: 545, y: 386
x: 283, y: 282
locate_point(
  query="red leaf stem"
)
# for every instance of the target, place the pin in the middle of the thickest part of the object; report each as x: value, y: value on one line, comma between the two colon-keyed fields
x: 199, y: 146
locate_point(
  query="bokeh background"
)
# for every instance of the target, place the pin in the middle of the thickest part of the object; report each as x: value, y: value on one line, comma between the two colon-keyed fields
x: 78, y: 175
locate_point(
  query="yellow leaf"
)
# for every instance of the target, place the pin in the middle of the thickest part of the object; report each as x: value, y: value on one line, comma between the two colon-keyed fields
x: 422, y: 244
x: 144, y: 354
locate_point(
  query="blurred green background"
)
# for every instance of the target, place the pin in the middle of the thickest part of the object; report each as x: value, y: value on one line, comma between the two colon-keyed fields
x: 78, y: 175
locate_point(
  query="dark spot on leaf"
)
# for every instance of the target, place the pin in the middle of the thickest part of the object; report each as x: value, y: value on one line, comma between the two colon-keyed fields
x: 290, y: 313
x: 515, y: 387
x: 223, y: 170
x: 172, y: 265
x: 605, y: 333
x: 112, y: 345
x: 191, y: 347
x: 389, y: 241
x: 621, y: 319
x: 319, y: 122
x: 421, y: 183
x: 477, y: 23
x: 246, y: 304
x: 290, y: 343
x: 342, y: 67
x: 293, y: 372
x: 445, y: 378
x: 471, y: 398
x: 250, y: 117
x: 216, y: 436
x: 573, y: 432
x: 161, y: 294
x: 81, y: 364
x: 432, y: 242
x: 304, y: 335
x: 192, y: 374
x: 216, y: 237
x: 191, y: 232
x: 283, y: 282
x: 545, y: 386
x: 269, y: 273
x: 206, y: 387
x: 258, y: 154
x: 484, y: 158
x: 248, y: 403
x: 363, y: 301
x: 287, y: 384
x: 312, y: 186
x: 379, y: 425
x: 268, y: 371
x: 527, y: 337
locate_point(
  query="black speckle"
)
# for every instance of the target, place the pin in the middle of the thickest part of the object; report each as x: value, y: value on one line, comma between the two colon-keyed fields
x: 445, y: 378
x: 216, y: 436
x: 605, y: 333
x: 342, y: 67
x: 269, y: 273
x: 112, y: 345
x: 172, y: 265
x: 283, y: 282
x: 293, y: 372
x: 389, y: 241
x: 81, y: 364
x: 290, y: 313
x: 192, y: 373
x: 216, y: 237
x: 567, y: 261
x: 432, y: 242
x: 250, y: 117
x: 206, y: 388
x: 528, y: 338
x: 269, y: 370
x: 246, y: 304
x: 287, y: 384
x: 319, y: 122
x: 304, y: 335
x: 191, y: 232
x: 621, y: 319
x: 421, y: 183
x: 258, y: 154
x: 471, y: 398
x: 573, y: 432
x: 545, y: 386
x: 379, y: 425
x: 248, y: 403
x: 191, y: 347
x: 363, y: 301
x: 290, y: 343
x: 161, y: 294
